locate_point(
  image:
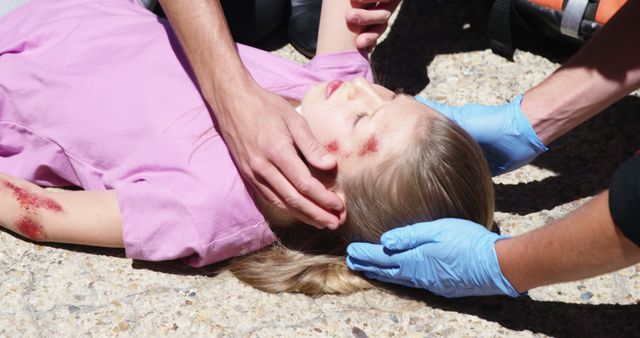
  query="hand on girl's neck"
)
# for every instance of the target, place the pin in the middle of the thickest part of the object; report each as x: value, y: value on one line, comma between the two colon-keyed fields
x: 276, y: 217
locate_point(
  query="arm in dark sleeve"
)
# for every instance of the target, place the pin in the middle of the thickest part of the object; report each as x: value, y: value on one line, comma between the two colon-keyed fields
x: 624, y: 199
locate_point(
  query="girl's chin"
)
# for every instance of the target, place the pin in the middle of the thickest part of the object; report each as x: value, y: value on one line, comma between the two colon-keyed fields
x: 313, y: 95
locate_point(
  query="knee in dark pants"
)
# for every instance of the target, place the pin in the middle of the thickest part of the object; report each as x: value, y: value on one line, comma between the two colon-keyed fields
x: 270, y: 24
x: 258, y: 23
x: 302, y: 31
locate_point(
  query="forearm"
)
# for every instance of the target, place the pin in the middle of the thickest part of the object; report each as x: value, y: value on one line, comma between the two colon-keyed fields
x: 334, y: 33
x: 583, y: 244
x: 606, y: 69
x: 9, y: 204
x: 269, y: 157
x: 76, y: 217
x: 204, y: 35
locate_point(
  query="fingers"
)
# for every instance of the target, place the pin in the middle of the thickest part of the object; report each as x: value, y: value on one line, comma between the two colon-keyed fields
x: 270, y: 161
x: 298, y: 173
x: 300, y: 179
x: 376, y: 263
x: 309, y: 146
x: 290, y: 195
x: 388, y: 280
x: 266, y: 191
x: 367, y: 17
x: 275, y: 200
x: 370, y: 254
x: 410, y: 236
x: 373, y: 17
x: 368, y: 39
x: 367, y: 267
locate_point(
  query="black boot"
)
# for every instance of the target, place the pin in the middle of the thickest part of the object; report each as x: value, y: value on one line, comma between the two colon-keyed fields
x: 304, y: 21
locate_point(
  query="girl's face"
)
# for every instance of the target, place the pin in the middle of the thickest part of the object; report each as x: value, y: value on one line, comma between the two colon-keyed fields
x: 357, y: 121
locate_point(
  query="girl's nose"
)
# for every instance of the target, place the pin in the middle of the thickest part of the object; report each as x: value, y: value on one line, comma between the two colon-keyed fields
x: 364, y: 88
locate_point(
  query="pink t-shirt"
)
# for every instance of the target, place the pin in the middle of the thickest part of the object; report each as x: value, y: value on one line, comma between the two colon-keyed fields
x: 97, y: 94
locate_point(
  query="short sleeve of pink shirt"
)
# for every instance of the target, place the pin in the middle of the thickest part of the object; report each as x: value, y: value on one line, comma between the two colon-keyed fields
x: 97, y: 94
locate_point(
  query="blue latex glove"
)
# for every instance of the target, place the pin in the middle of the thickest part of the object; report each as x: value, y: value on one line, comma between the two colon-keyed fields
x: 504, y: 133
x: 449, y: 257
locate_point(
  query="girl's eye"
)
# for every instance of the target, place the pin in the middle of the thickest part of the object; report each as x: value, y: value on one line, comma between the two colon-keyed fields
x: 358, y: 118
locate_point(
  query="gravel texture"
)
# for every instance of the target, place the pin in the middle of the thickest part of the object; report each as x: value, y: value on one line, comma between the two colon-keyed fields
x: 437, y: 49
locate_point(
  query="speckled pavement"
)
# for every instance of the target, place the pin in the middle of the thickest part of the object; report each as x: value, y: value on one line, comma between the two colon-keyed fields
x: 437, y: 48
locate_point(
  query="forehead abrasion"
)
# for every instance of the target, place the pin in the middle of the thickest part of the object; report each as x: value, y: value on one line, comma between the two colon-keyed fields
x: 369, y: 146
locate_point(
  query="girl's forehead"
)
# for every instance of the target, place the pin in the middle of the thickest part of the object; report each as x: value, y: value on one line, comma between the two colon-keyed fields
x: 401, y: 115
x: 396, y: 127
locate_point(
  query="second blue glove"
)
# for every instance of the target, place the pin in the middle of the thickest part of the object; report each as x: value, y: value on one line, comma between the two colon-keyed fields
x: 449, y: 257
x: 503, y: 132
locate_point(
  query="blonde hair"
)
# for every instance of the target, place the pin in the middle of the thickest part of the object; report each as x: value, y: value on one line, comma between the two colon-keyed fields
x: 440, y: 173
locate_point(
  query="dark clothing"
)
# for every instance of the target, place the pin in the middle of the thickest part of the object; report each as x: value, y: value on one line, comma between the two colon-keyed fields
x: 258, y: 23
x: 271, y: 24
x: 302, y: 28
x: 624, y: 198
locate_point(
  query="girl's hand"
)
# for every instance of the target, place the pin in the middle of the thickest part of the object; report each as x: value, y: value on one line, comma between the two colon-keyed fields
x: 373, y: 16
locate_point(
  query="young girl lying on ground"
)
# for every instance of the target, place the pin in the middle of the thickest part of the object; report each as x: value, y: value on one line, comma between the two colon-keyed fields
x: 97, y: 95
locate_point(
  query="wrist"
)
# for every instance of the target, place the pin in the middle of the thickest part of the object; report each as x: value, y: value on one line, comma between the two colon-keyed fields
x: 506, y: 249
x: 222, y: 91
x: 542, y: 112
x: 565, y: 100
x: 526, y: 128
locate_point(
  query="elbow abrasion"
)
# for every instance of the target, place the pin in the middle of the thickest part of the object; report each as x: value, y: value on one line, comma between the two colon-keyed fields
x: 624, y: 198
x: 31, y: 203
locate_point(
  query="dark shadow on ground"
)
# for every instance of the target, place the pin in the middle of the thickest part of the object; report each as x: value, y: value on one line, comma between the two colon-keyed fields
x: 554, y: 319
x: 178, y: 267
x: 426, y: 28
x: 584, y: 159
x: 422, y: 30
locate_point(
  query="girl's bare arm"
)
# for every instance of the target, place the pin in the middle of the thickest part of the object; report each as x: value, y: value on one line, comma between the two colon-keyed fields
x: 75, y: 217
x: 334, y: 33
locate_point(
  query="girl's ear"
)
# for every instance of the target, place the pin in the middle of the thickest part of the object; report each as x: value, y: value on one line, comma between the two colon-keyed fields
x: 329, y: 178
x: 342, y: 216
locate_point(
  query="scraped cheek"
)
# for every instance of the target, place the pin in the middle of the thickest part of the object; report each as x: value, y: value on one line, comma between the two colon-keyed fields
x: 332, y: 147
x: 368, y: 147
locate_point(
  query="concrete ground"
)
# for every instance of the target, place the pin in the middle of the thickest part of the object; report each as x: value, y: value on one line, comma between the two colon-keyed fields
x: 437, y: 48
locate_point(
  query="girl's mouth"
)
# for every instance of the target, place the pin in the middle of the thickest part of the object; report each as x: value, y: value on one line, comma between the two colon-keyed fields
x: 332, y: 87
